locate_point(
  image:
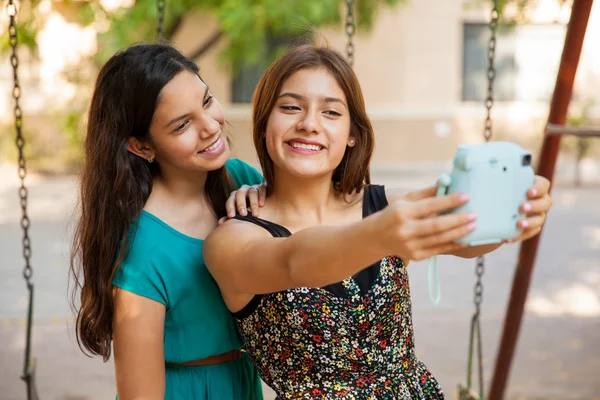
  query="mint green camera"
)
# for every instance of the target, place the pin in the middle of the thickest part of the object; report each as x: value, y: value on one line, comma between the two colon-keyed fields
x: 497, y: 176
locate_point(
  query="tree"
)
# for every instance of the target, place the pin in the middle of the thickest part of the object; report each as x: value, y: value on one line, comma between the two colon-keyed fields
x: 246, y: 24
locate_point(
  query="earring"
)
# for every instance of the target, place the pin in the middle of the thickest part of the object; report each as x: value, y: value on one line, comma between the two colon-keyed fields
x: 150, y: 159
x: 351, y: 143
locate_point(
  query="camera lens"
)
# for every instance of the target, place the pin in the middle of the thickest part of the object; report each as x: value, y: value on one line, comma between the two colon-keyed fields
x: 527, y: 159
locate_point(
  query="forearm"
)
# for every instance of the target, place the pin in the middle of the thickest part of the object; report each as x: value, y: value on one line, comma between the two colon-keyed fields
x: 325, y: 255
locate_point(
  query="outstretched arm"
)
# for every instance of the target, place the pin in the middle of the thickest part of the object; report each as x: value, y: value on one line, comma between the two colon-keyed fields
x: 245, y: 259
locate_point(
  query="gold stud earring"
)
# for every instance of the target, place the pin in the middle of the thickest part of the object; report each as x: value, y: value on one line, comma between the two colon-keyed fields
x: 150, y: 159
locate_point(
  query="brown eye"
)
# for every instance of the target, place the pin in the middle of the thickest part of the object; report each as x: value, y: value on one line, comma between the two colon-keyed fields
x: 182, y: 127
x: 290, y: 108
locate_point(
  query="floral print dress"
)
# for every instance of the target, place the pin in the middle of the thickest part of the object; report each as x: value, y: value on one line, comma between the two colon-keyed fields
x: 350, y: 340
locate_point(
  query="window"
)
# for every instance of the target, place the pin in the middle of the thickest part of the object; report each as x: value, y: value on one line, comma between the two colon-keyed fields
x: 527, y: 59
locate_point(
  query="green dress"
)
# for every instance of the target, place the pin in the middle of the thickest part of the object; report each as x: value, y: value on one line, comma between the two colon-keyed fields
x: 167, y: 266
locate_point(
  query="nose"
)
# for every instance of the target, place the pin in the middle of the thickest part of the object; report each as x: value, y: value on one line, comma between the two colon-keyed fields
x: 309, y: 122
x: 208, y: 126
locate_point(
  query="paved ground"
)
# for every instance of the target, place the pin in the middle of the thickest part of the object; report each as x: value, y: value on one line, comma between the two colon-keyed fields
x: 558, y: 356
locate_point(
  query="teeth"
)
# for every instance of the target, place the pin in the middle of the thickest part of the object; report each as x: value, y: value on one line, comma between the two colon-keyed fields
x: 214, y: 146
x: 305, y: 146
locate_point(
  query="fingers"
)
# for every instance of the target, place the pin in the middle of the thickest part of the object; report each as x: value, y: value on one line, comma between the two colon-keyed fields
x: 531, y: 226
x: 253, y: 199
x: 533, y: 222
x: 441, y: 223
x: 262, y: 194
x: 436, y: 205
x: 540, y: 188
x: 421, y: 194
x: 537, y: 206
x: 527, y: 234
x: 221, y: 220
x: 240, y: 199
x: 230, y: 205
x: 446, y: 231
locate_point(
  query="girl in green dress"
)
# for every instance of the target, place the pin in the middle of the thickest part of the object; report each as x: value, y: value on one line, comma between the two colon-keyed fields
x: 155, y: 181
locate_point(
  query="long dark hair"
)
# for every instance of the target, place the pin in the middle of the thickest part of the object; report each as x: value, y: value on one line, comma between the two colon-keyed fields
x: 115, y: 184
x: 352, y: 174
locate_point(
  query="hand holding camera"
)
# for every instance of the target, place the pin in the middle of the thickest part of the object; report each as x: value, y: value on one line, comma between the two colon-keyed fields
x: 509, y: 200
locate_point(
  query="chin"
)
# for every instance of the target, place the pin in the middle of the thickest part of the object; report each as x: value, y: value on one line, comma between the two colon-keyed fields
x: 308, y: 173
x: 215, y: 163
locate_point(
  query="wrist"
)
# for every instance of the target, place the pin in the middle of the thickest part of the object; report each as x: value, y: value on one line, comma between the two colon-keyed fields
x: 376, y: 231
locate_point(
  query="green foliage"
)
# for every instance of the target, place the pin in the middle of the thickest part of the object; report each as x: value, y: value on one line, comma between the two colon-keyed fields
x: 72, y: 130
x: 246, y: 23
x: 256, y: 31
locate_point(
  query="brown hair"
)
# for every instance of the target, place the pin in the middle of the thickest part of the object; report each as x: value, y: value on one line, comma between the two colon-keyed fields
x: 353, y: 172
x: 115, y: 184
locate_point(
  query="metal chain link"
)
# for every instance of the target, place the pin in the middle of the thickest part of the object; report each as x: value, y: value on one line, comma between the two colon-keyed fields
x: 491, y: 72
x: 160, y: 18
x: 28, y: 365
x: 487, y: 133
x: 350, y: 28
x: 480, y: 265
x: 20, y: 141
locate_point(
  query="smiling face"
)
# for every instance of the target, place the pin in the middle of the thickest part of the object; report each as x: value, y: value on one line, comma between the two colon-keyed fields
x: 188, y: 130
x: 308, y: 129
x: 309, y: 119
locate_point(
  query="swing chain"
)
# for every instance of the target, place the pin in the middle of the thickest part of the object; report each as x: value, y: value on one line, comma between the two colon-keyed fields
x: 20, y: 141
x: 29, y: 364
x: 160, y: 18
x: 350, y: 28
x: 491, y: 72
x: 475, y: 334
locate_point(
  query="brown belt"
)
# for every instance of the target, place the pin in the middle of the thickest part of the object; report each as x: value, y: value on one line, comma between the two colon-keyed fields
x: 218, y: 359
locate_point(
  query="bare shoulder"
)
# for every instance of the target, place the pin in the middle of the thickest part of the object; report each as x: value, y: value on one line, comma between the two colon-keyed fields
x: 237, y: 228
x: 232, y: 236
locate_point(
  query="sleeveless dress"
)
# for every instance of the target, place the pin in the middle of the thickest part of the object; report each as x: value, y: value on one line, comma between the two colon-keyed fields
x: 167, y: 266
x: 350, y: 340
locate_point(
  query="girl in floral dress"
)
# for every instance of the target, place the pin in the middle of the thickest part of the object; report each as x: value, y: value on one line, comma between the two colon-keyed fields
x: 319, y: 284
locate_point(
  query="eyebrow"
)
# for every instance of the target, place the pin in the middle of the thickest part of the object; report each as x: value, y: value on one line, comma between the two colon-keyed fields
x: 184, y: 116
x: 324, y: 99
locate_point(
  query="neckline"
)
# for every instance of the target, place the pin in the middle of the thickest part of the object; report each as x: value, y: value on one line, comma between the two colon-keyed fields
x: 365, y: 211
x: 170, y: 229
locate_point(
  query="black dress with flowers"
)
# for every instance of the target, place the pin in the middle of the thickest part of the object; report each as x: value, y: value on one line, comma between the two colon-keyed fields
x: 350, y: 340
